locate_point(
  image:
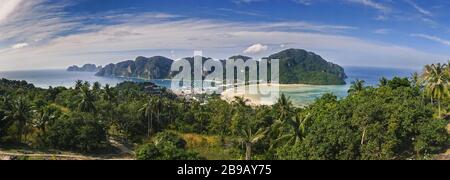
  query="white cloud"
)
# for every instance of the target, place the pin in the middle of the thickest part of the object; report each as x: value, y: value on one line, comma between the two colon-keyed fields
x: 149, y: 34
x: 304, y: 2
x: 256, y: 49
x: 432, y: 38
x: 372, y: 4
x: 20, y: 45
x: 33, y: 21
x: 217, y: 39
x: 7, y: 7
x: 382, y: 31
x: 246, y: 1
x: 419, y: 9
x: 305, y: 26
x: 247, y: 13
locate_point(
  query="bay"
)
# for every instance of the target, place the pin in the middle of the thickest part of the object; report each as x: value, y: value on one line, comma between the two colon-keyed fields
x: 299, y: 96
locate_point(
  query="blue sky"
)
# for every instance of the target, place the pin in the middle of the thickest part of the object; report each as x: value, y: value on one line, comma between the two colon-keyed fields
x: 47, y: 34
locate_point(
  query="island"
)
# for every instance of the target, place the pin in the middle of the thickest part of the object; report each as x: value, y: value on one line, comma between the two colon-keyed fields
x: 297, y: 66
x: 157, y: 67
x: 84, y: 68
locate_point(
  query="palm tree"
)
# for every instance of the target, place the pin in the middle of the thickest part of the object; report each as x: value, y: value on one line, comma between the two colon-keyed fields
x: 289, y: 128
x: 78, y: 84
x: 87, y: 84
x: 19, y: 112
x: 357, y: 86
x: 96, y: 87
x: 284, y: 107
x: 44, y: 116
x: 109, y: 95
x: 383, y: 82
x: 448, y: 68
x: 240, y: 102
x: 170, y: 106
x: 87, y: 103
x: 239, y: 115
x: 5, y: 105
x: 418, y: 82
x: 416, y: 79
x: 157, y: 107
x: 249, y: 139
x: 147, y: 112
x: 296, y: 133
x: 437, y: 80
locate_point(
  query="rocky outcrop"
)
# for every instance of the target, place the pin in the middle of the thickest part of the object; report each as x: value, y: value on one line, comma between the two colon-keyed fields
x: 84, y: 68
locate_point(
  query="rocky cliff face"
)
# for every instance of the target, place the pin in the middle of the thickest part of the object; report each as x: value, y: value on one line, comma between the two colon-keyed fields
x: 146, y: 68
x: 297, y: 66
x: 84, y: 68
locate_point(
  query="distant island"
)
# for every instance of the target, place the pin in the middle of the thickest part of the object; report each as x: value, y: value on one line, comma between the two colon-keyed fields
x: 297, y: 66
x: 157, y: 67
x: 84, y: 68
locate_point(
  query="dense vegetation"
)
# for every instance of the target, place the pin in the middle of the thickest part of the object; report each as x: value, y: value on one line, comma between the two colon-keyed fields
x: 147, y: 68
x: 296, y: 67
x: 301, y: 67
x: 166, y: 146
x: 399, y: 119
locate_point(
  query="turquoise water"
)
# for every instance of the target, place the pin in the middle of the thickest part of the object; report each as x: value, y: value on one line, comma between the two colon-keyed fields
x: 306, y: 95
x: 370, y: 75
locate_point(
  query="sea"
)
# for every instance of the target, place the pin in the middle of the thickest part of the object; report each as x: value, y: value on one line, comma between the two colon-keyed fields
x: 299, y: 96
x: 371, y: 76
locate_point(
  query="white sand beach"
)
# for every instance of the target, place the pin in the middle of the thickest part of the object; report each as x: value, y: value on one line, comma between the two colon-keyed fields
x: 257, y: 98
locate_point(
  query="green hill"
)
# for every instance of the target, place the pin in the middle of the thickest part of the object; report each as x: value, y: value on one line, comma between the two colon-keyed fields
x: 298, y: 66
x: 157, y: 67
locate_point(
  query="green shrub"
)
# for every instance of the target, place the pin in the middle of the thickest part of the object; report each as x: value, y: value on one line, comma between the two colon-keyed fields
x: 78, y: 132
x: 166, y: 146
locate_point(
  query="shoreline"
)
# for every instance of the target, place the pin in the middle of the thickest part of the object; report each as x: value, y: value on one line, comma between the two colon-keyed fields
x: 256, y: 99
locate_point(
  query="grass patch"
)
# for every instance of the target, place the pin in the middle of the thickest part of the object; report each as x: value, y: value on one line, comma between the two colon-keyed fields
x: 210, y: 147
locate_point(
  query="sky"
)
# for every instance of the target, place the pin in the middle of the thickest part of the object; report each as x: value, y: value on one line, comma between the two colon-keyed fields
x: 53, y: 34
